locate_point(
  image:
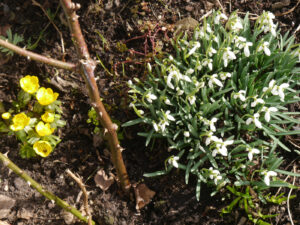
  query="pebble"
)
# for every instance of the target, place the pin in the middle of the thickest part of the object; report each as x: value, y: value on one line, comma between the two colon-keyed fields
x: 24, y: 214
x: 6, y: 203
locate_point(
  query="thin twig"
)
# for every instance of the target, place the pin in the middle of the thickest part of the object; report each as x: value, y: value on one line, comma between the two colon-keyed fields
x: 221, y: 6
x: 289, y: 11
x: 38, y: 57
x: 288, y: 199
x: 85, y: 194
x: 56, y: 28
x: 32, y: 183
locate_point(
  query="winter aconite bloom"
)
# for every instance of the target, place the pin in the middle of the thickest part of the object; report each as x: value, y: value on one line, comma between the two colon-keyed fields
x: 30, y: 84
x: 46, y: 96
x: 42, y: 148
x: 20, y: 121
x: 6, y: 115
x: 43, y: 129
x: 48, y: 117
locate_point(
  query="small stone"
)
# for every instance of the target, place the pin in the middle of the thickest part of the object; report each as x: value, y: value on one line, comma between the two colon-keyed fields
x: 24, y: 214
x: 189, y: 8
x: 21, y: 185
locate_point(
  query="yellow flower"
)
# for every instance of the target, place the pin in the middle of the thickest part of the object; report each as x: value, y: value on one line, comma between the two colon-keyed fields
x: 48, y: 117
x: 6, y: 115
x: 46, y: 96
x: 19, y: 122
x: 42, y: 148
x: 43, y: 129
x: 30, y: 84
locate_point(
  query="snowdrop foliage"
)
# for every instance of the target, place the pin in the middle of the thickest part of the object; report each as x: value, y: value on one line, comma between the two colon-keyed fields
x: 220, y: 101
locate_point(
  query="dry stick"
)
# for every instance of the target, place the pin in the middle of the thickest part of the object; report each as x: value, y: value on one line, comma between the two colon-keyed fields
x: 288, y: 199
x: 38, y: 57
x: 85, y: 194
x: 87, y: 67
x: 6, y: 162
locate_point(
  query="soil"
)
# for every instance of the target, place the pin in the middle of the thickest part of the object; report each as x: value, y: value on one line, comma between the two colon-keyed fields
x: 106, y: 25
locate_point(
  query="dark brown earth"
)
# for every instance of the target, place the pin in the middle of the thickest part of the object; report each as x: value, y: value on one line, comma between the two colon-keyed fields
x: 118, y: 22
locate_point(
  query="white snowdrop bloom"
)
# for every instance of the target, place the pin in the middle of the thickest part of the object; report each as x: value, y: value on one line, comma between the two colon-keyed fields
x: 167, y: 101
x: 252, y: 151
x: 267, y: 24
x: 235, y: 23
x: 213, y: 80
x: 211, y: 123
x: 173, y: 160
x: 228, y: 55
x: 239, y: 40
x: 171, y: 58
x: 141, y: 112
x: 221, y: 146
x: 257, y: 101
x: 267, y: 175
x: 186, y: 133
x: 208, y: 63
x: 254, y: 119
x: 190, y: 71
x: 193, y: 50
x: 199, y: 84
x: 192, y: 99
x: 220, y: 16
x: 168, y: 116
x: 211, y: 51
x: 149, y: 67
x: 129, y: 83
x: 179, y: 91
x: 271, y: 85
x: 268, y: 112
x: 150, y: 97
x: 210, y: 137
x: 177, y: 76
x: 241, y: 95
x: 224, y: 75
x: 214, y: 175
x: 279, y: 90
x: 246, y: 48
x: 155, y: 126
x: 265, y: 47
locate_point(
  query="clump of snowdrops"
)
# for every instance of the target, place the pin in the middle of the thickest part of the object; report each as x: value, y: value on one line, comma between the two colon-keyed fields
x: 221, y: 101
x: 35, y: 117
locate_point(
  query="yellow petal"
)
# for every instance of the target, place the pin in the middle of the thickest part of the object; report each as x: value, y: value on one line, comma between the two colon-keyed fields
x: 46, y: 96
x: 42, y: 148
x: 43, y: 129
x: 20, y: 121
x: 6, y: 115
x: 48, y: 117
x: 30, y: 84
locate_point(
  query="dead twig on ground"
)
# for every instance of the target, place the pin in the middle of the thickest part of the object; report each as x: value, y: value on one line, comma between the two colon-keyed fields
x: 85, y: 194
x: 289, y: 11
x: 288, y: 199
x: 32, y: 183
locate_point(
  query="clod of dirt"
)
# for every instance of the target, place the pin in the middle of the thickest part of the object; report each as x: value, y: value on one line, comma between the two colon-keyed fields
x: 6, y: 203
x: 67, y: 216
x: 143, y: 195
x: 103, y: 181
x: 281, y: 4
x: 185, y: 24
x: 24, y: 214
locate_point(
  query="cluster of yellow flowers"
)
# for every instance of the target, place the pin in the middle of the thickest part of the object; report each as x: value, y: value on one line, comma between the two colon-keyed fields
x: 30, y: 84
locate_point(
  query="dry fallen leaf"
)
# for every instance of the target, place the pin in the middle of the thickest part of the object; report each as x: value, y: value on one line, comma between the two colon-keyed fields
x: 103, y: 181
x: 143, y: 195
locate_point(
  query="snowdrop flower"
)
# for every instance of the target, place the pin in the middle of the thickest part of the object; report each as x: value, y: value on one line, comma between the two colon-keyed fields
x: 178, y: 76
x: 168, y: 116
x: 241, y: 95
x: 179, y: 91
x: 150, y: 97
x: 129, y: 82
x: 209, y: 138
x: 213, y: 80
x: 149, y: 67
x: 235, y: 23
x: 167, y: 101
x: 211, y: 51
x: 254, y: 119
x: 214, y: 175
x: 279, y: 90
x: 265, y: 47
x: 266, y: 20
x: 207, y: 62
x: 267, y: 175
x: 186, y: 133
x: 257, y: 101
x: 192, y: 99
x: 271, y: 85
x: 190, y: 71
x: 242, y: 43
x: 173, y: 160
x: 211, y: 123
x: 193, y: 50
x: 268, y: 112
x: 220, y: 16
x: 228, y: 55
x: 246, y: 48
x: 252, y: 151
x: 224, y: 75
x: 221, y: 146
